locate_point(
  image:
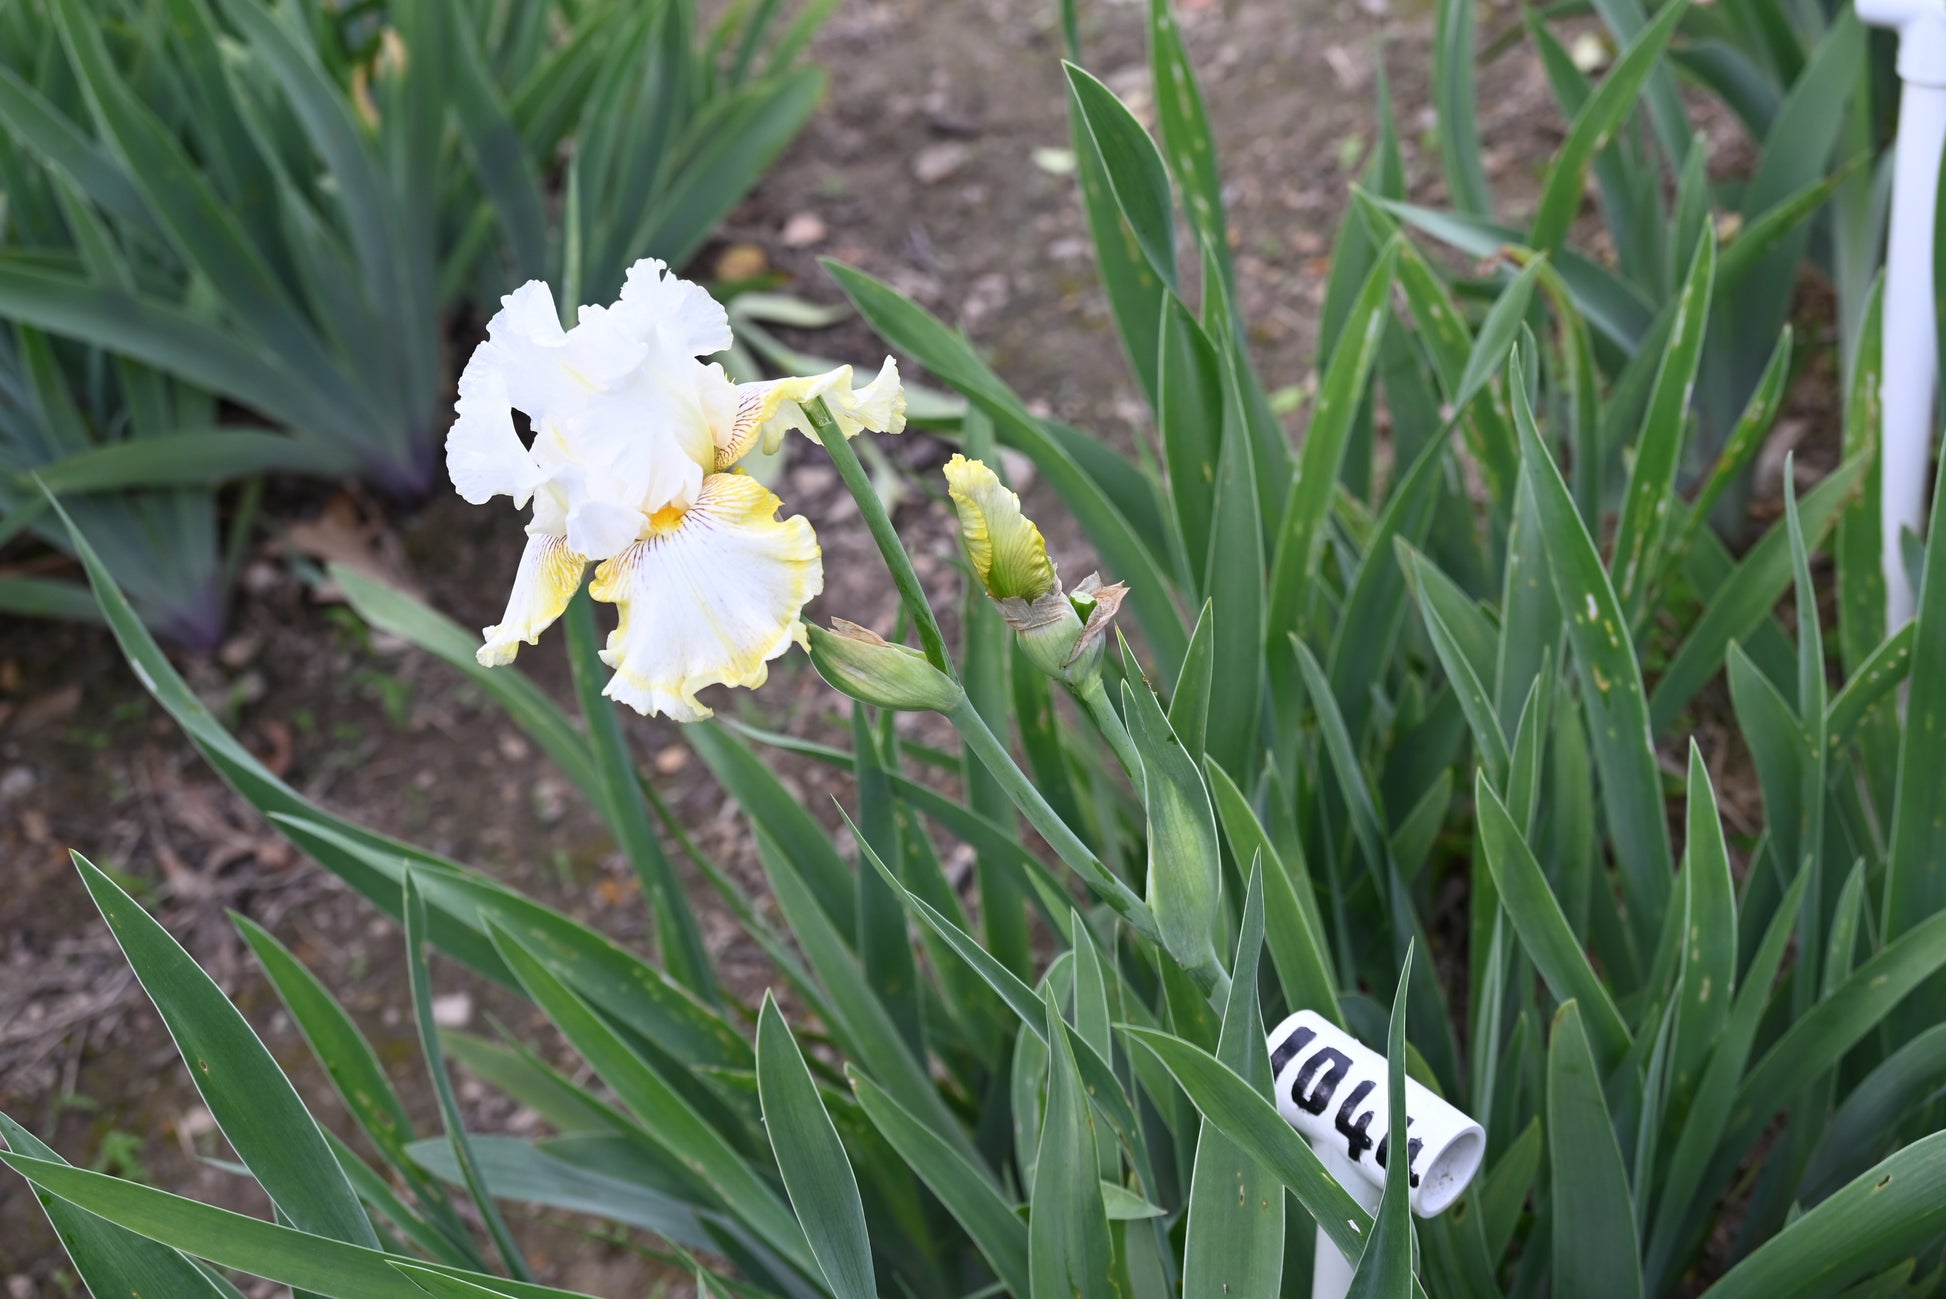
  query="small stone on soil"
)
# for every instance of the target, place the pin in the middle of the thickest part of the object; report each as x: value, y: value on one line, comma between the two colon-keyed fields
x: 937, y: 162
x: 16, y: 782
x: 805, y: 230
x: 239, y: 650
x: 454, y: 1010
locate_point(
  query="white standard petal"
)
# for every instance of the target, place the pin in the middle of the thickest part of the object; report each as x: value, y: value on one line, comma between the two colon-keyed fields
x: 648, y: 442
x: 710, y: 601
x: 599, y: 529
x: 670, y: 312
x: 766, y: 411
x: 524, y: 343
x: 550, y: 370
x: 484, y: 456
x: 528, y: 315
x: 548, y: 576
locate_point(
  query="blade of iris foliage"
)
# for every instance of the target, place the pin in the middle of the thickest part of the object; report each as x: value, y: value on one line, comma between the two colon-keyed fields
x: 818, y: 1177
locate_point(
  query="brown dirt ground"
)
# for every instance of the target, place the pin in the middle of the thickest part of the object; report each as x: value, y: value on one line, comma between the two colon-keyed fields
x: 962, y: 93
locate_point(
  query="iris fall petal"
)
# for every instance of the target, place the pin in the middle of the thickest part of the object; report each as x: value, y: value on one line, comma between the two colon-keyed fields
x: 548, y: 576
x: 709, y: 601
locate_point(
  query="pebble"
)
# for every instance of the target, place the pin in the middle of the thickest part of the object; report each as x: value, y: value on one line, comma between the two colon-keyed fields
x: 260, y: 577
x: 454, y: 1010
x: 940, y: 161
x: 239, y: 650
x: 16, y: 782
x: 987, y: 297
x: 805, y: 230
x: 550, y: 800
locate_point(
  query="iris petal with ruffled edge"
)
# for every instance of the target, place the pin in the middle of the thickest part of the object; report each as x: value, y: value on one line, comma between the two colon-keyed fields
x: 484, y: 456
x: 710, y: 601
x: 634, y: 438
x: 548, y: 576
x: 766, y: 411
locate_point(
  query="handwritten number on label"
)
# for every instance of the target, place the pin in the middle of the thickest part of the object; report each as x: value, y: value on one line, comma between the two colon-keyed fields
x: 1296, y: 1042
x: 1316, y: 1082
x: 1412, y: 1148
x: 1335, y: 1063
x: 1357, y: 1139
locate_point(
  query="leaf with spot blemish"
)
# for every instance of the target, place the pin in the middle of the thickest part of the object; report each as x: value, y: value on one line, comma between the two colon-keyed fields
x: 1611, y: 684
x: 1133, y: 167
x: 1385, y: 1268
x: 1068, y: 1247
x: 1235, y: 1241
x: 112, y: 1260
x: 1887, y: 1212
x: 1184, y: 876
x: 1188, y: 144
x: 1596, y: 1251
x: 668, y: 1119
x: 1644, y: 525
x: 1709, y: 949
x: 1542, y: 927
x: 1594, y: 125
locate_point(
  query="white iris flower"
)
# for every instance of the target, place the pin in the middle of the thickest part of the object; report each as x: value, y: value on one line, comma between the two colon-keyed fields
x: 633, y: 468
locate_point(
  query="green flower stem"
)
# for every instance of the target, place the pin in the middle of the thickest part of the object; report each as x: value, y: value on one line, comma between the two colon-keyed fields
x: 1094, y: 697
x: 889, y: 546
x: 1067, y: 845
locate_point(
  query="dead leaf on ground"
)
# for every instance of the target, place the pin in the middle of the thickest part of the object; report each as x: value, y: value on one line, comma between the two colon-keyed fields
x: 340, y: 535
x: 276, y: 750
x: 47, y: 710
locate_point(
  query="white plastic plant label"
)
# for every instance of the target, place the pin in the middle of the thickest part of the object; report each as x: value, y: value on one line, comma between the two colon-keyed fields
x: 1332, y: 1089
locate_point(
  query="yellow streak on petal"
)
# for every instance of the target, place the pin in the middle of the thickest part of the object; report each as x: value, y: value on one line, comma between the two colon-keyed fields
x: 548, y: 576
x: 710, y: 601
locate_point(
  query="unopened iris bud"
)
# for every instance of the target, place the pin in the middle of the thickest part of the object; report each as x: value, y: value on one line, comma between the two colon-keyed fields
x: 1003, y: 545
x: 1062, y: 633
x: 1048, y: 629
x: 1097, y: 605
x: 864, y: 665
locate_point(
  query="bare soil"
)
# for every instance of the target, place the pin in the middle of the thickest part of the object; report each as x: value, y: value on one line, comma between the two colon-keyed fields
x: 929, y: 166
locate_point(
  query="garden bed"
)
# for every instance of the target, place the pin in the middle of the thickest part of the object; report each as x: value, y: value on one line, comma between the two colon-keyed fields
x: 939, y: 163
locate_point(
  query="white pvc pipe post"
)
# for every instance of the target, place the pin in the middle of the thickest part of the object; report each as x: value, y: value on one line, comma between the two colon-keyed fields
x: 1333, y: 1089
x: 1910, y: 330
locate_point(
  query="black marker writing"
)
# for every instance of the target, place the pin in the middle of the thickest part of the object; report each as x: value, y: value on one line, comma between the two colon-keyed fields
x: 1335, y: 1063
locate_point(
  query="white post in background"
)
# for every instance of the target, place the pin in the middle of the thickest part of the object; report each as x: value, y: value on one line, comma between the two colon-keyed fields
x: 1333, y: 1090
x: 1910, y: 330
